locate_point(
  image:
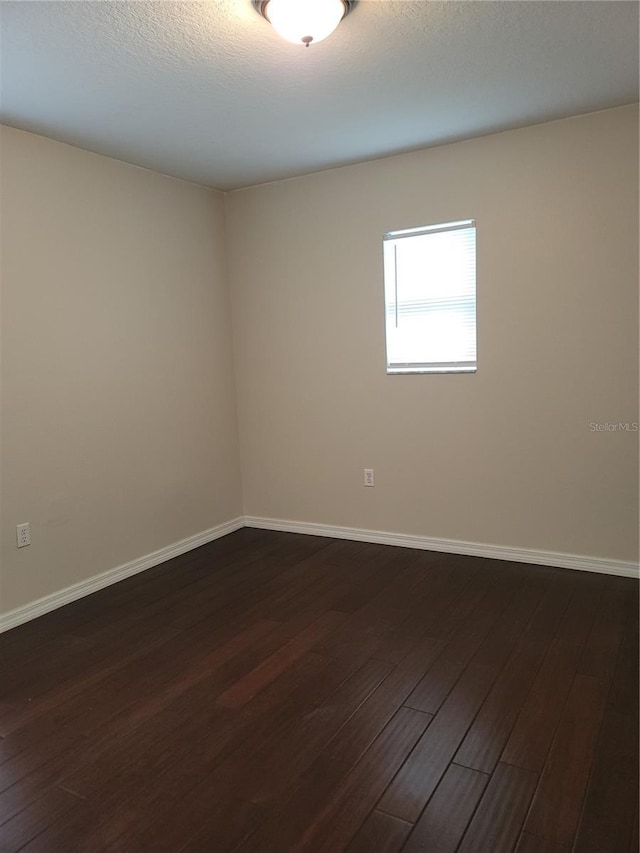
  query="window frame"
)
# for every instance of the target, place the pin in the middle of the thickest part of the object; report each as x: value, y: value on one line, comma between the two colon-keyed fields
x: 415, y: 367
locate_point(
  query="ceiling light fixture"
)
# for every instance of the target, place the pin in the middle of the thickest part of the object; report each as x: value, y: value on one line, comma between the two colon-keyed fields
x: 304, y: 21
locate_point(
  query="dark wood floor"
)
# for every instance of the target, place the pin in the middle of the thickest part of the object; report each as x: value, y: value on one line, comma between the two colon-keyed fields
x: 271, y: 693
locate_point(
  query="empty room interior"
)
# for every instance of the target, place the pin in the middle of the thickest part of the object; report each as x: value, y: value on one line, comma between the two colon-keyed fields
x: 319, y: 434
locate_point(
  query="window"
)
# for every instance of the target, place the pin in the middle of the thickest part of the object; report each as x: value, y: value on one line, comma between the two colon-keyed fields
x: 430, y: 298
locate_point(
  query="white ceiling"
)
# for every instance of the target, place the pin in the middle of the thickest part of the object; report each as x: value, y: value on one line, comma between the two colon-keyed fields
x: 208, y: 92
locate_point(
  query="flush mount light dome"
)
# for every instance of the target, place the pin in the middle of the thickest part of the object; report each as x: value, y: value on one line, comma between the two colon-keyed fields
x: 304, y: 21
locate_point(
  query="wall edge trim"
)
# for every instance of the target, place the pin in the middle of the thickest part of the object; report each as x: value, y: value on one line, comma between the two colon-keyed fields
x: 560, y: 560
x: 43, y: 605
x: 27, y: 612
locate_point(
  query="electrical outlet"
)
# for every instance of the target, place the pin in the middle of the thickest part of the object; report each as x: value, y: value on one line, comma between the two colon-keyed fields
x: 23, y: 534
x: 369, y: 478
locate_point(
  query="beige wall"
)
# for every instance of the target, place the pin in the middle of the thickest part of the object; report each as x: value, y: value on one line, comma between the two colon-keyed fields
x: 119, y: 431
x: 503, y: 457
x: 118, y: 407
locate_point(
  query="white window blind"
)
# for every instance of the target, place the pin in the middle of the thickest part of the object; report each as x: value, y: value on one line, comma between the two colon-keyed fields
x: 430, y: 298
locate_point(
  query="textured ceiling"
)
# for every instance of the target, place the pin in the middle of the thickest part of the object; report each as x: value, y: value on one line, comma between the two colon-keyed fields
x: 208, y: 91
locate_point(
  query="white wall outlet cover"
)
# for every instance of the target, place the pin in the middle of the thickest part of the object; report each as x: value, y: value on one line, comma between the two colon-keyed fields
x: 23, y: 535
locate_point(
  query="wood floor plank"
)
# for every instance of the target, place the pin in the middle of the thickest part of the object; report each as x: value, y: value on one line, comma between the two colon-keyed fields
x: 37, y: 708
x: 607, y: 820
x: 306, y: 798
x: 421, y: 773
x: 535, y: 727
x: 204, y: 823
x: 179, y: 679
x: 140, y: 618
x: 263, y: 770
x: 117, y: 701
x: 512, y: 622
x: 363, y: 585
x: 584, y: 605
x: 29, y: 788
x: 433, y: 688
x: 530, y: 844
x: 163, y: 712
x: 487, y: 736
x: 380, y: 832
x: 114, y: 736
x: 495, y: 827
x: 35, y: 819
x: 623, y: 696
x: 117, y: 819
x: 449, y: 605
x: 601, y: 649
x: 438, y: 593
x: 374, y: 714
x: 222, y: 824
x: 253, y: 682
x: 443, y: 822
x: 29, y: 760
x: 22, y: 682
x: 65, y: 743
x: 224, y: 764
x: 249, y: 586
x: 386, y: 609
x: 556, y: 807
x: 119, y: 742
x: 358, y: 794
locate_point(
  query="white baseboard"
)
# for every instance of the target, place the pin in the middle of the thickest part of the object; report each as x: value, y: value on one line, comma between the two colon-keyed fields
x: 79, y: 590
x: 453, y: 546
x: 449, y: 546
